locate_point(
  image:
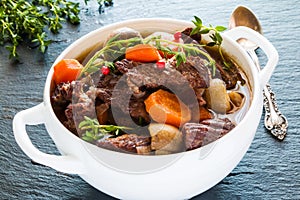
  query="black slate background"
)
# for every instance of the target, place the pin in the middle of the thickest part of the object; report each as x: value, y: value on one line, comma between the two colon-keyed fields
x: 269, y: 170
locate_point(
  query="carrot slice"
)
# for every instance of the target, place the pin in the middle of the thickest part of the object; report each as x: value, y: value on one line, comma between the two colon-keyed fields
x: 142, y: 53
x: 201, y: 114
x: 66, y: 70
x: 165, y: 107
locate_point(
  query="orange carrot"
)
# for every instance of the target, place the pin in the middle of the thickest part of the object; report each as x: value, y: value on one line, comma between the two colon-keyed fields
x: 66, y: 70
x: 165, y: 107
x: 201, y: 114
x: 142, y: 53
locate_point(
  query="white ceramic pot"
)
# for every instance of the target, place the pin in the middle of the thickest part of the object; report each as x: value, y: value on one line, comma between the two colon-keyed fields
x: 126, y: 176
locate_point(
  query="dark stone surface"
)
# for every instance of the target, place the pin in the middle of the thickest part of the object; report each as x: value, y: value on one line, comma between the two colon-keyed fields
x: 269, y: 170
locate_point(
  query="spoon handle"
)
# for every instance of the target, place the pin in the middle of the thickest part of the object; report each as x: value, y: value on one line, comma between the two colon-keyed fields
x: 274, y: 120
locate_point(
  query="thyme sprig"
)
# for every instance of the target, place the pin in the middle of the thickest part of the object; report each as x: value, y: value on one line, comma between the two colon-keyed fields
x: 94, y: 131
x: 29, y: 19
x: 20, y: 18
x: 215, y: 36
x: 184, y: 50
x: 113, y: 50
x: 116, y: 48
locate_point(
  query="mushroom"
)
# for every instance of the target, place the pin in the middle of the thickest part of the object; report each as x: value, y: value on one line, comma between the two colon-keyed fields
x: 236, y: 100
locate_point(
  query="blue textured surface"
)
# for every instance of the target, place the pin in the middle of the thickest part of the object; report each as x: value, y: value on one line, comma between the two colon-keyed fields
x: 269, y: 170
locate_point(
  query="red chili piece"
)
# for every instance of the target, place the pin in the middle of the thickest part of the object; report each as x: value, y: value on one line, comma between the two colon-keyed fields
x: 160, y: 65
x: 177, y: 36
x: 105, y: 70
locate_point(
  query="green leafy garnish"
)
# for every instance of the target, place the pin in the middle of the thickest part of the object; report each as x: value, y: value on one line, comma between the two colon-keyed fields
x: 29, y: 19
x: 113, y: 50
x: 184, y: 50
x: 93, y: 131
x: 20, y: 18
x: 215, y: 36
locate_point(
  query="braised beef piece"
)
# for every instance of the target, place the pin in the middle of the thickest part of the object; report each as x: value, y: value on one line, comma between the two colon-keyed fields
x: 61, y: 99
x: 105, y: 87
x: 205, y: 132
x: 69, y: 121
x: 230, y: 76
x: 124, y: 65
x: 197, y: 74
x: 138, y: 111
x: 182, y: 80
x: 147, y: 77
x: 128, y: 143
x: 83, y: 104
x: 131, y: 113
x: 112, y: 90
x: 185, y: 81
x: 62, y: 94
x: 195, y: 71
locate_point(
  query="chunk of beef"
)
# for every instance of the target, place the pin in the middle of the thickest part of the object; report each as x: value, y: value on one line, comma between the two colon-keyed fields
x: 230, y: 76
x: 62, y: 94
x: 102, y: 113
x: 105, y: 87
x: 128, y: 143
x: 83, y: 104
x: 131, y: 112
x: 205, y: 132
x: 75, y: 101
x: 195, y: 71
x: 112, y: 90
x: 146, y: 77
x: 69, y: 121
x: 138, y: 111
x: 124, y: 65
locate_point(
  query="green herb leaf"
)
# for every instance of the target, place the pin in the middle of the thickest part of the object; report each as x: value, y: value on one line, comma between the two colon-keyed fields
x: 29, y: 19
x: 204, y: 31
x: 93, y: 131
x: 220, y: 28
x: 113, y: 50
x: 195, y: 31
x: 215, y: 36
x: 198, y: 21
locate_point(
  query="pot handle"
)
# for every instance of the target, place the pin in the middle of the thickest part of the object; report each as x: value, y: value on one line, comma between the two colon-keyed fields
x: 34, y: 116
x: 272, y: 54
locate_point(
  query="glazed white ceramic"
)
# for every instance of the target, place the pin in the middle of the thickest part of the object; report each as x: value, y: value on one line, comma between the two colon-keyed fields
x: 126, y: 176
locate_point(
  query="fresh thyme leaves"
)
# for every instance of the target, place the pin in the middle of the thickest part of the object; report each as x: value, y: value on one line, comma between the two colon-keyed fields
x: 215, y: 36
x: 113, y: 50
x: 184, y: 50
x: 93, y: 131
x: 200, y: 28
x: 28, y: 19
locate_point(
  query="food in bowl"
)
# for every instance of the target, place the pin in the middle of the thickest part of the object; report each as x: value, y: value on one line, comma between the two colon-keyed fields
x: 151, y: 93
x: 106, y: 170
